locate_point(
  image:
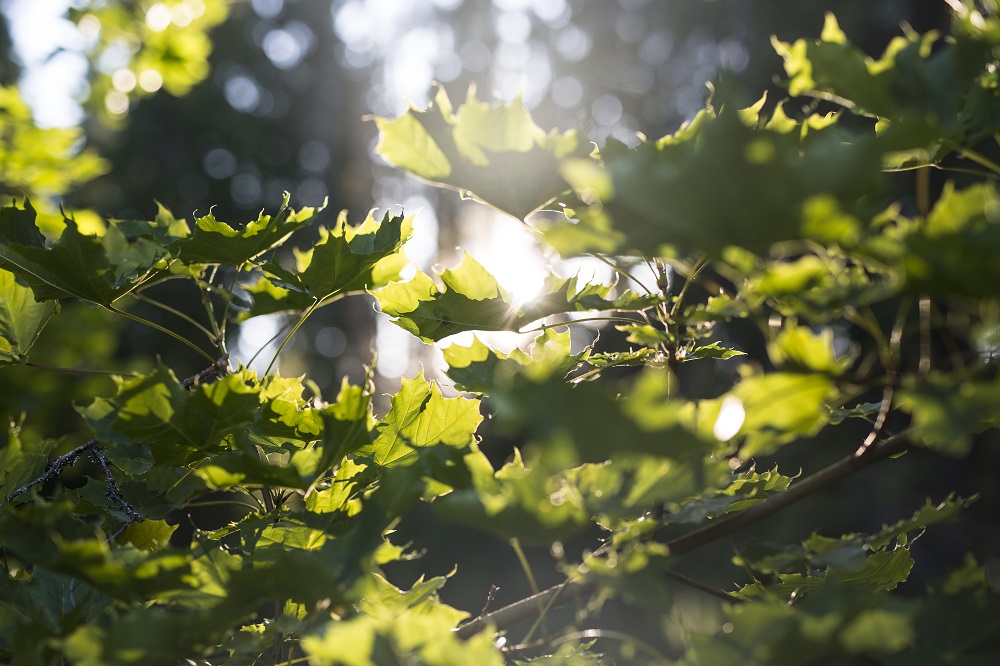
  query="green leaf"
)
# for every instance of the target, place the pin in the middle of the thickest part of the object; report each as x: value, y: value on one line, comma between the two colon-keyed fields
x: 782, y: 407
x: 950, y: 253
x: 153, y: 418
x: 20, y: 461
x: 347, y: 426
x: 345, y: 259
x: 929, y: 95
x: 836, y: 623
x: 21, y: 319
x: 713, y: 350
x: 947, y: 410
x: 713, y: 185
x: 946, y: 511
x: 818, y: 288
x: 148, y: 534
x: 471, y: 299
x: 496, y: 153
x: 478, y: 367
x: 797, y: 348
x: 395, y: 626
x: 100, y: 269
x: 745, y: 491
x: 216, y: 242
x: 421, y: 417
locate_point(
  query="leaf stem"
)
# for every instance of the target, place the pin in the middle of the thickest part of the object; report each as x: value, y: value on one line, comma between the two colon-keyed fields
x: 621, y: 270
x: 87, y: 371
x: 161, y: 329
x: 302, y: 319
x: 177, y: 313
x: 515, y: 543
x: 979, y: 159
x: 545, y: 327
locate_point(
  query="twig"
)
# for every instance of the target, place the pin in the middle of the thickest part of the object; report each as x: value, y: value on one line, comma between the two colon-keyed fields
x: 490, y: 596
x: 217, y: 369
x: 56, y: 467
x: 113, y: 493
x: 701, y: 587
x: 568, y: 591
x: 93, y: 449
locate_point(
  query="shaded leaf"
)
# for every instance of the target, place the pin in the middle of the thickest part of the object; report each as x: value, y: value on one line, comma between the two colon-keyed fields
x: 100, y: 269
x: 710, y: 186
x: 346, y: 258
x: 156, y: 419
x: 215, y: 242
x: 21, y: 319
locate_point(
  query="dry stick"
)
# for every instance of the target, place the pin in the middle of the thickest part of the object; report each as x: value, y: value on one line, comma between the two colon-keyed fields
x: 568, y: 591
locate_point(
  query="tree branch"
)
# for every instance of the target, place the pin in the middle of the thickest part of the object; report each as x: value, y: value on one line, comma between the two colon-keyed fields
x: 569, y: 591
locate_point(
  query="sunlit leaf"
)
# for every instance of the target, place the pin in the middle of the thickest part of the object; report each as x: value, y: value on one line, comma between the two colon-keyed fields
x: 421, y: 417
x: 495, y: 152
x: 471, y: 299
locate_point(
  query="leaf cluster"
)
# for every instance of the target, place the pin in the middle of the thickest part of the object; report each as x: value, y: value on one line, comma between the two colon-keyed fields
x: 778, y: 253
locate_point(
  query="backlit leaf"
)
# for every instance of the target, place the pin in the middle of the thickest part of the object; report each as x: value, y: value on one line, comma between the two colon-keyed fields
x: 495, y: 152
x: 169, y: 424
x: 345, y: 259
x: 21, y: 319
x: 215, y: 242
x: 99, y: 269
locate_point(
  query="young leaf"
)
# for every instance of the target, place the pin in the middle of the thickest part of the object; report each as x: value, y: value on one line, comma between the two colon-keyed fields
x: 421, y: 417
x: 713, y: 350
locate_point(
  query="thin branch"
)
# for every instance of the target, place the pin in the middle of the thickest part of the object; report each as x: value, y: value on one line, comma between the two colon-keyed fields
x: 595, y: 634
x: 568, y: 591
x: 85, y: 371
x: 113, y: 493
x: 820, y: 480
x: 298, y: 324
x: 490, y: 596
x: 218, y: 369
x: 701, y: 587
x: 161, y: 329
x: 56, y: 467
x: 545, y: 327
x: 621, y: 270
x: 177, y: 313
